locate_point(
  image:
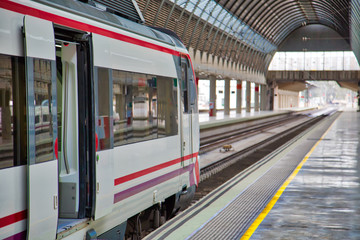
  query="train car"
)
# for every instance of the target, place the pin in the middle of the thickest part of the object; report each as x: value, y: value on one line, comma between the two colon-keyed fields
x: 99, y: 122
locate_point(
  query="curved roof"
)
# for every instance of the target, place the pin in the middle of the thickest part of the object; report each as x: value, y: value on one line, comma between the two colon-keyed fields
x: 276, y: 19
x: 249, y: 32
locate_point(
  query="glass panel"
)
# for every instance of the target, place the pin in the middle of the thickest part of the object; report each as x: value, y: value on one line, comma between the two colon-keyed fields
x: 6, y: 113
x: 181, y: 2
x: 167, y: 107
x: 233, y: 84
x: 143, y: 118
x: 217, y: 10
x: 43, y: 111
x: 209, y: 9
x: 252, y: 95
x: 198, y: 11
x: 319, y: 61
x: 190, y: 6
x: 222, y: 15
x: 204, y: 97
x: 220, y: 88
x: 294, y: 61
x: 203, y: 4
x: 120, y: 90
x: 184, y: 86
x: 215, y: 14
x: 13, y: 127
x: 144, y: 107
x: 104, y: 109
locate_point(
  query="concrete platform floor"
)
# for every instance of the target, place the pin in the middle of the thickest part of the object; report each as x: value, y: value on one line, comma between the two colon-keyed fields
x: 323, y: 200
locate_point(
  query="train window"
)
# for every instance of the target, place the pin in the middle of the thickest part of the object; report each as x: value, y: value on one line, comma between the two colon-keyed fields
x: 103, y: 108
x: 188, y: 87
x: 184, y: 86
x: 13, y: 128
x: 193, y: 94
x: 144, y: 107
x: 120, y: 90
x: 167, y: 107
x: 43, y: 111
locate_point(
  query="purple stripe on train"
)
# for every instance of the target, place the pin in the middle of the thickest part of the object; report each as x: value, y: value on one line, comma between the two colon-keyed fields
x: 18, y: 236
x: 153, y: 182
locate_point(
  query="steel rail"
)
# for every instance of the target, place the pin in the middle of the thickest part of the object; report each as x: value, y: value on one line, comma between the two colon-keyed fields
x: 223, y: 163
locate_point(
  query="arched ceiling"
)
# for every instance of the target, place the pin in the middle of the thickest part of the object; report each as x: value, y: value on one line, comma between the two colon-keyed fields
x: 276, y: 19
x: 247, y: 33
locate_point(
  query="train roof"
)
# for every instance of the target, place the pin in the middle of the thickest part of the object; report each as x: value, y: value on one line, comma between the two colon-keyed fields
x: 99, y: 12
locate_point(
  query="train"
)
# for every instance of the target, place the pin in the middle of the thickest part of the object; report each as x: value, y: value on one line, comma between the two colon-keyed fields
x: 99, y: 123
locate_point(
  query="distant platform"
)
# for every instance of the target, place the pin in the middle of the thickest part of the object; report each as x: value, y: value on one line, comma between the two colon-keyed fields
x: 206, y: 121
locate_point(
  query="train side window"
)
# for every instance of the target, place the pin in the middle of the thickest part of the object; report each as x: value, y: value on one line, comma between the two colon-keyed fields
x: 184, y: 86
x: 123, y: 107
x: 103, y: 109
x: 43, y: 111
x: 120, y: 91
x: 167, y: 107
x: 134, y: 106
x: 144, y: 107
x: 13, y: 128
x: 192, y: 93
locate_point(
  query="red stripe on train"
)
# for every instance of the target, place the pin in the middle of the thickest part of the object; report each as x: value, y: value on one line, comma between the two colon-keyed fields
x: 13, y: 218
x: 144, y: 172
x: 22, y: 9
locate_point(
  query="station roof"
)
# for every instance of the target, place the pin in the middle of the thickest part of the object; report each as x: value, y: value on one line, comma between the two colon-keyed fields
x: 277, y: 19
x: 249, y: 32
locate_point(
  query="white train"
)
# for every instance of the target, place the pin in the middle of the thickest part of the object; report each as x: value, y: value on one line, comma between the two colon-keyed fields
x: 99, y: 123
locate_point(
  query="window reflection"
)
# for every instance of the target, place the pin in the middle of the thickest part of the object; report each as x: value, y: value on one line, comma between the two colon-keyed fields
x: 13, y: 138
x: 144, y: 107
x: 43, y: 110
x: 167, y: 107
x: 104, y: 109
x: 6, y: 110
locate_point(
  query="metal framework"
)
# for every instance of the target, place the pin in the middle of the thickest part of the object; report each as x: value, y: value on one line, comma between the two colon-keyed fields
x: 248, y: 32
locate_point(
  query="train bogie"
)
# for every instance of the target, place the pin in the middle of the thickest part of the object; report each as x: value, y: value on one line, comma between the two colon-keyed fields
x: 99, y: 123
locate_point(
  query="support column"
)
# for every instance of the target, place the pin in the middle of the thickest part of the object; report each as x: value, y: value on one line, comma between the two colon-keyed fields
x: 263, y: 98
x: 212, y: 101
x: 270, y: 95
x: 276, y: 98
x: 257, y: 106
x: 227, y: 97
x: 238, y: 96
x: 248, y: 96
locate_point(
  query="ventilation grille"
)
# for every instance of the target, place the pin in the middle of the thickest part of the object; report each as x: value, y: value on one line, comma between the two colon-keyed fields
x: 123, y: 8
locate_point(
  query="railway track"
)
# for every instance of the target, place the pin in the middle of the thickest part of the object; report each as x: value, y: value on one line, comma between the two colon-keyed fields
x: 215, y: 174
x: 215, y: 141
x: 233, y: 133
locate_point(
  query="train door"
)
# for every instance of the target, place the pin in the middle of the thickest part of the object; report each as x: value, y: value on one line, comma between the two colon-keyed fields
x: 76, y: 137
x: 186, y: 118
x: 42, y: 180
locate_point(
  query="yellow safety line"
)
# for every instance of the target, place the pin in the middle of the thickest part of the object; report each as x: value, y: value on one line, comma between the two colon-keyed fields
x: 247, y: 235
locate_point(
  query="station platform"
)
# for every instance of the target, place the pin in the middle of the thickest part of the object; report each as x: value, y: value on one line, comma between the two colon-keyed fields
x: 307, y: 190
x: 220, y: 119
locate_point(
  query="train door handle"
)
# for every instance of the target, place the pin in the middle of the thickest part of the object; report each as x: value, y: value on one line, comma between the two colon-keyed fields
x: 56, y: 202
